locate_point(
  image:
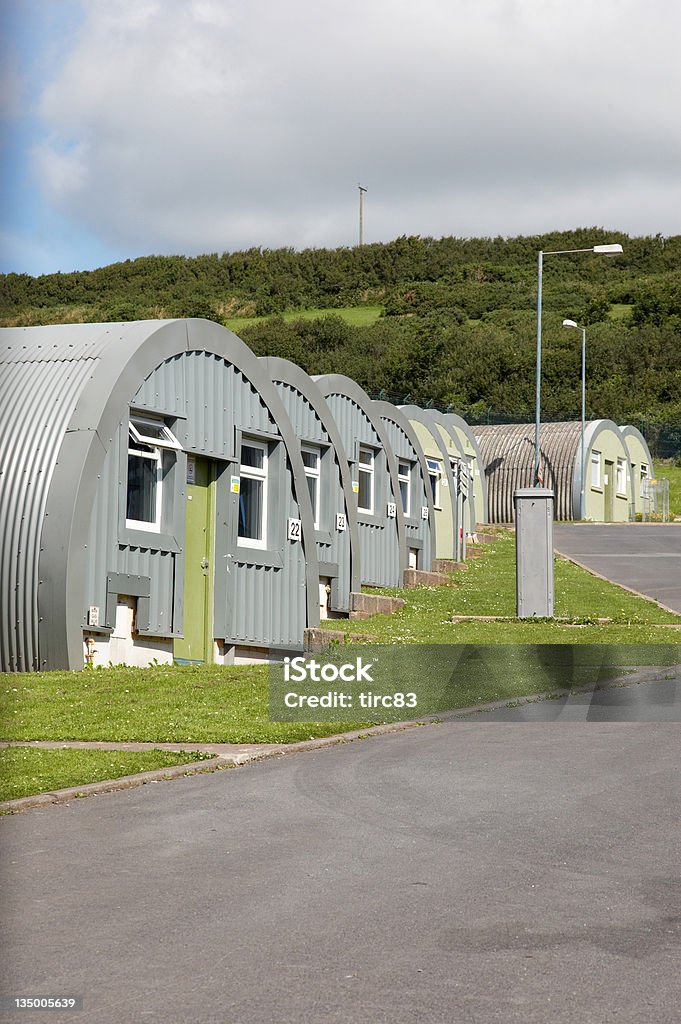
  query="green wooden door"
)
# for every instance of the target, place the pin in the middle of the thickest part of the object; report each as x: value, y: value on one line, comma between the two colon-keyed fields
x: 197, y: 642
x: 608, y: 486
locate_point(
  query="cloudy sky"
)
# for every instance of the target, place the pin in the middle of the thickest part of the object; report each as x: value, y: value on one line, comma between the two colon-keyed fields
x: 132, y: 127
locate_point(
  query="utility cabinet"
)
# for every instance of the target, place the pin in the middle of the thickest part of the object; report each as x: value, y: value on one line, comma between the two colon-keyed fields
x: 534, y: 552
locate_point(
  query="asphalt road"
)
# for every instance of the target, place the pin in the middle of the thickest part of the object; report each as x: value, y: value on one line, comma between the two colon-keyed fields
x: 464, y: 872
x: 645, y: 557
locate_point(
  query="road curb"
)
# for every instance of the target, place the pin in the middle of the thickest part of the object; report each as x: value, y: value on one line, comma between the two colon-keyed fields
x: 622, y: 586
x: 63, y: 796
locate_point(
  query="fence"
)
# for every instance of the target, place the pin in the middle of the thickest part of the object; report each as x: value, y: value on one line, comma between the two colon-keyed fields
x: 655, y: 501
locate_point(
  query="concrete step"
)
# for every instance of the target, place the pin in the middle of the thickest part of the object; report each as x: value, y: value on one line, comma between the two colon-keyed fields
x: 363, y: 606
x: 419, y: 578
x: 440, y: 565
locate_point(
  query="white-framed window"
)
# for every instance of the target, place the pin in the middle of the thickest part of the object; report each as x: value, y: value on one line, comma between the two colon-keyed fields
x: 621, y: 476
x: 595, y: 469
x: 147, y: 440
x: 153, y: 432
x: 366, y: 479
x: 404, y: 479
x: 312, y: 463
x: 644, y: 477
x: 253, y: 494
x: 435, y: 476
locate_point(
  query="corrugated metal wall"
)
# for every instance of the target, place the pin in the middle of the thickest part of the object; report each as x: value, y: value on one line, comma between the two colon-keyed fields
x: 379, y: 541
x: 417, y: 528
x: 267, y: 603
x: 40, y: 383
x: 309, y: 427
x: 508, y: 452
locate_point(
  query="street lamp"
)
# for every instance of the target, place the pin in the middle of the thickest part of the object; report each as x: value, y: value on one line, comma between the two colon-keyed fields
x: 571, y: 323
x: 611, y: 249
x: 362, y: 190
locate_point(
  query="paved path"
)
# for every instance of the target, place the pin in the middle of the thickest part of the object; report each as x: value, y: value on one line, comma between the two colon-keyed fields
x: 463, y: 872
x: 644, y: 557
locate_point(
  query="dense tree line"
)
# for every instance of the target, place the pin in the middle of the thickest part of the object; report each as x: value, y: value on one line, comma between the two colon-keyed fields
x: 458, y: 324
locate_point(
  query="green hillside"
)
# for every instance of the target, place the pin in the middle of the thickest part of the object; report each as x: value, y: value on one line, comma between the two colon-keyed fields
x: 449, y: 322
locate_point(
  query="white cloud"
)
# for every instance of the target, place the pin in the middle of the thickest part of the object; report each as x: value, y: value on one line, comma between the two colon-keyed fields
x: 216, y: 124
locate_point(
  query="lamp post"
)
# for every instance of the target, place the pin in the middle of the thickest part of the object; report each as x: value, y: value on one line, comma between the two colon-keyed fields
x: 362, y: 190
x: 571, y: 323
x: 611, y: 249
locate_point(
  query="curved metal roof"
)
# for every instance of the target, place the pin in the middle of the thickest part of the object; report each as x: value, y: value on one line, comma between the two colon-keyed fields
x: 628, y: 431
x: 508, y: 454
x: 286, y: 372
x: 63, y: 392
x: 338, y: 383
x: 449, y: 423
x: 387, y: 411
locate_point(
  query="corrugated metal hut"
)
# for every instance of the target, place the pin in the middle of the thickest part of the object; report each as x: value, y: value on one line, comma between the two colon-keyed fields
x: 471, y: 448
x: 640, y: 466
x: 441, y: 454
x: 414, y: 483
x: 329, y: 481
x: 374, y: 481
x: 508, y: 454
x: 467, y: 456
x: 155, y: 500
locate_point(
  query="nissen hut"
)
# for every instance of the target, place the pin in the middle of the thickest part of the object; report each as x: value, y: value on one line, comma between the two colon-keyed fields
x: 595, y: 485
x: 154, y: 500
x: 441, y: 455
x: 414, y: 484
x: 375, y: 483
x: 640, y: 468
x: 329, y: 482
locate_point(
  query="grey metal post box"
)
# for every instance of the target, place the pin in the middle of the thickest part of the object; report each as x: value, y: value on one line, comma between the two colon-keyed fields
x: 534, y: 552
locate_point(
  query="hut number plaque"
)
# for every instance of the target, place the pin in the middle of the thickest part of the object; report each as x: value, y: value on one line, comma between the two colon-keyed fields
x: 293, y: 532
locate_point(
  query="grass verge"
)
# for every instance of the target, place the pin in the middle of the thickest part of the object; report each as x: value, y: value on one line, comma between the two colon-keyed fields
x: 487, y: 587
x: 163, y: 703
x: 25, y: 771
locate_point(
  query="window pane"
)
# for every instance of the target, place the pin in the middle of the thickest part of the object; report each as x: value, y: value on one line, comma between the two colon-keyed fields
x: 404, y: 492
x: 403, y: 468
x: 251, y: 456
x: 596, y: 469
x: 141, y: 504
x: 152, y: 432
x: 366, y: 457
x: 250, y: 508
x: 149, y: 429
x: 433, y: 485
x: 310, y: 460
x: 312, y: 488
x: 365, y: 496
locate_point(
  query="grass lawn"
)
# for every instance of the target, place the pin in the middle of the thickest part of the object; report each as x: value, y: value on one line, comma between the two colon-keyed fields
x: 673, y: 474
x: 25, y: 771
x: 165, y: 703
x: 356, y: 316
x: 487, y: 587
